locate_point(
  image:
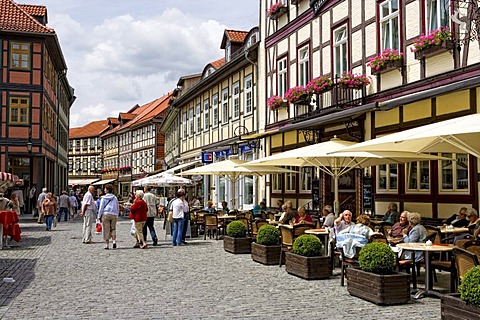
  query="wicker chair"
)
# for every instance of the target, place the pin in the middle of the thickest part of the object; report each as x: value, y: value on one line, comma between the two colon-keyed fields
x: 378, y: 237
x: 464, y: 261
x: 474, y: 247
x: 211, y: 225
x: 347, y: 262
x: 385, y: 228
x: 256, y: 225
x: 246, y: 223
x: 286, y: 241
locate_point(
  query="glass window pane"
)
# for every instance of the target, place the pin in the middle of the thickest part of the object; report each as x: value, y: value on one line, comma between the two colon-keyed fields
x: 393, y: 176
x: 424, y: 175
x: 382, y: 177
x: 462, y: 171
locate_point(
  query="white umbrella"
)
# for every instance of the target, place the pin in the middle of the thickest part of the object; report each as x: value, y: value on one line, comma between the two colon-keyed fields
x: 457, y: 135
x: 321, y: 155
x: 162, y: 179
x: 233, y: 169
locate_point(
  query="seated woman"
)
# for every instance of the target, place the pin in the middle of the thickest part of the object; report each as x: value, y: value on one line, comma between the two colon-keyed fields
x: 225, y: 207
x: 392, y: 215
x: 289, y: 213
x: 343, y: 221
x: 417, y: 234
x: 397, y: 228
x: 303, y: 217
x: 355, y: 236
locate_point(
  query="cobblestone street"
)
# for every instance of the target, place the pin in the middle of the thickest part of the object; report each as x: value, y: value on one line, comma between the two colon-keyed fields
x: 58, y: 277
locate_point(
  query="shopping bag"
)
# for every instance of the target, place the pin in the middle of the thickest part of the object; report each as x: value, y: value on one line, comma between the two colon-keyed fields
x: 132, y: 228
x: 98, y: 227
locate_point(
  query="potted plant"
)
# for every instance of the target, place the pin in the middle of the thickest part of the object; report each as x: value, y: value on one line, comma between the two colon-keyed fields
x: 467, y: 306
x: 236, y: 240
x: 319, y: 85
x: 376, y: 281
x: 276, y: 10
x: 353, y: 81
x: 389, y: 59
x: 266, y: 249
x: 298, y: 95
x: 275, y: 102
x: 306, y: 260
x: 437, y: 41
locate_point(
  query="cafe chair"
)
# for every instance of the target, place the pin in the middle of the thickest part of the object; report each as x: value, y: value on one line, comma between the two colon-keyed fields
x: 211, y: 225
x: 448, y: 266
x: 300, y: 229
x: 271, y: 216
x: 461, y: 243
x: 378, y: 237
x: 256, y: 225
x: 385, y: 227
x: 286, y: 241
x: 464, y: 261
x: 474, y: 247
x: 246, y: 223
x: 347, y: 263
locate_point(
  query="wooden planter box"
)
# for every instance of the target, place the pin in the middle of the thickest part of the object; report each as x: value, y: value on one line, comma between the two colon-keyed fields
x: 379, y: 289
x: 310, y: 268
x: 237, y: 245
x: 434, y: 50
x: 194, y: 230
x: 453, y: 308
x: 389, y: 66
x: 266, y: 254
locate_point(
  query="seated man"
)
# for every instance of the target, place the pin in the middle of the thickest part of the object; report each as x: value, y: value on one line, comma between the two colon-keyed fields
x: 458, y: 220
x: 328, y: 216
x: 397, y: 228
x: 258, y: 209
x: 288, y: 214
x: 391, y: 215
x: 343, y: 221
x: 355, y: 236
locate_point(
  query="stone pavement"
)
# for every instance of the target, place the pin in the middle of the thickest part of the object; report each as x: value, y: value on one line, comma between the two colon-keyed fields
x: 58, y: 277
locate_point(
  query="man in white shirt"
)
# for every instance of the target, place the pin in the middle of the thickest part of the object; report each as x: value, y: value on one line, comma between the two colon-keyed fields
x: 88, y: 214
x: 178, y: 208
x: 40, y: 199
x: 151, y: 202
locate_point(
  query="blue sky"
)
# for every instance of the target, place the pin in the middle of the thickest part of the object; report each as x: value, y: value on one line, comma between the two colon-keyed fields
x: 125, y: 52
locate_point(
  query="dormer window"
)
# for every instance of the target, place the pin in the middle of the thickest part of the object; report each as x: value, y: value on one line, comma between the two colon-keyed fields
x: 209, y: 71
x: 253, y: 39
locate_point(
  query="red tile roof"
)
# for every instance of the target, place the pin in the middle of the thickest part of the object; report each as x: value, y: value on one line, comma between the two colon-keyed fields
x: 218, y: 63
x: 14, y: 17
x: 143, y: 113
x: 34, y: 10
x: 237, y: 35
x: 93, y: 129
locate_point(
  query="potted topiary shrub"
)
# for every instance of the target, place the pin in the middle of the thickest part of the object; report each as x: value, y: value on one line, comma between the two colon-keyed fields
x: 236, y: 240
x: 306, y: 260
x: 266, y: 249
x: 376, y: 281
x: 467, y: 306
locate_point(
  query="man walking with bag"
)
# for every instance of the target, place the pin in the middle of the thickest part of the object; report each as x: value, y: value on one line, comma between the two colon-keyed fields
x: 151, y: 202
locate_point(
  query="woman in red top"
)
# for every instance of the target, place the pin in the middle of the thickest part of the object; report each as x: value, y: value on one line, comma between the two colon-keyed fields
x: 303, y: 217
x: 138, y: 212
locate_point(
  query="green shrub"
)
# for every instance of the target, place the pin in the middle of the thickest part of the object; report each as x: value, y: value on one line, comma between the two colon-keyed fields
x: 307, y: 245
x: 236, y: 229
x: 268, y: 235
x: 377, y: 257
x: 470, y: 287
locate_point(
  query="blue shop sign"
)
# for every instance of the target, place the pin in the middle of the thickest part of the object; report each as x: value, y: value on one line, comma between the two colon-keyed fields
x: 207, y: 157
x: 222, y: 154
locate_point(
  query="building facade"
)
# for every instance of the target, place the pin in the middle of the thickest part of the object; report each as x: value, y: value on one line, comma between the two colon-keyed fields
x: 371, y: 73
x: 35, y: 99
x: 208, y: 118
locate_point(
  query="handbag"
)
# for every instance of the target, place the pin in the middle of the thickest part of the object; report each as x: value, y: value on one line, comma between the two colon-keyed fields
x: 132, y: 228
x: 98, y: 227
x: 170, y: 216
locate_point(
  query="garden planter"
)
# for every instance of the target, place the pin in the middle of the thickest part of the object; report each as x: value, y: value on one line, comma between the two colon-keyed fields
x: 268, y: 255
x: 303, y: 100
x: 237, y: 245
x: 389, y: 66
x: 453, y: 308
x: 310, y: 268
x: 434, y: 50
x: 280, y: 12
x: 379, y: 289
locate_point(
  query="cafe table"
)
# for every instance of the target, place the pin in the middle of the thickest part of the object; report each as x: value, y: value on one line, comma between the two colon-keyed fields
x: 324, y: 233
x: 447, y: 230
x: 427, y: 249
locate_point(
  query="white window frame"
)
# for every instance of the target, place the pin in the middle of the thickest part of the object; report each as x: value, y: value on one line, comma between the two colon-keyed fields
x: 282, y: 76
x: 206, y: 114
x: 389, y: 178
x: 417, y: 166
x: 215, y: 110
x: 236, y: 101
x: 387, y: 24
x: 459, y: 159
x: 225, y: 106
x: 340, y: 46
x: 290, y: 181
x: 198, y: 118
x: 436, y: 8
x: 248, y: 92
x: 306, y: 174
x: 303, y: 65
x: 184, y: 125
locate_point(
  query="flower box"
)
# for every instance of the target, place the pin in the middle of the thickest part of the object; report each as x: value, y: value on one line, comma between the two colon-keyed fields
x: 237, y: 245
x: 434, y: 50
x: 298, y: 95
x: 454, y: 308
x: 275, y: 102
x: 309, y: 268
x: 303, y: 100
x: 377, y: 288
x: 389, y: 66
x: 268, y: 255
x: 349, y: 80
x: 278, y: 13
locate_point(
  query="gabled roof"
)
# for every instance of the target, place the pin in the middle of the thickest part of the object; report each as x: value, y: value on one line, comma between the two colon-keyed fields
x: 235, y: 36
x: 17, y: 18
x: 92, y: 129
x: 34, y: 10
x: 143, y: 113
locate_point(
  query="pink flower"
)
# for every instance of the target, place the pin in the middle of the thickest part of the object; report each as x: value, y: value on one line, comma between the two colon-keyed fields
x: 434, y: 38
x: 274, y: 102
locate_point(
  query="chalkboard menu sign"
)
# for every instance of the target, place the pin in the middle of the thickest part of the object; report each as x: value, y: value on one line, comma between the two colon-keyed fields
x: 315, y: 193
x: 367, y: 193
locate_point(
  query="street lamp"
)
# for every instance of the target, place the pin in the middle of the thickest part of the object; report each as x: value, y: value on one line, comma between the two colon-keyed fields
x: 234, y: 148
